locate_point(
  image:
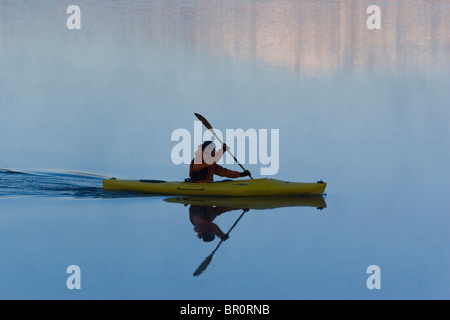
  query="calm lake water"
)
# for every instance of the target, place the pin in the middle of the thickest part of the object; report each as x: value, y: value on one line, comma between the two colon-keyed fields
x: 366, y: 111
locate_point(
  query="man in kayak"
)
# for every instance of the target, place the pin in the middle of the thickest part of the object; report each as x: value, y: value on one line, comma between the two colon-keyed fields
x: 204, y: 165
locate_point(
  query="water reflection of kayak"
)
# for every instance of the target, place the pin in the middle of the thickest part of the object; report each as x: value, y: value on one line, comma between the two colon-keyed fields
x: 233, y: 188
x: 258, y: 203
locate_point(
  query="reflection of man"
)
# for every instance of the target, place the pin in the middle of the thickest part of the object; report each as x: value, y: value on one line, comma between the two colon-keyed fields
x: 202, y: 218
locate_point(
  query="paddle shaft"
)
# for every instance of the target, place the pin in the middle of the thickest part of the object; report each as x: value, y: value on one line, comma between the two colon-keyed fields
x: 228, y: 233
x: 210, y: 128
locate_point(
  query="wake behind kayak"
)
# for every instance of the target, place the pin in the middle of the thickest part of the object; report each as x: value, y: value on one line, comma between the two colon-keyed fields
x: 14, y: 183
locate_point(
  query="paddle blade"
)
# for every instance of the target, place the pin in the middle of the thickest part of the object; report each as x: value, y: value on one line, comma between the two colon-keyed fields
x: 203, y: 266
x: 204, y: 121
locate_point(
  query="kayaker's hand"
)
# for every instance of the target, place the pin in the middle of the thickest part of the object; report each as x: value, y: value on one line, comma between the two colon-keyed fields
x: 225, y: 148
x: 225, y: 237
x: 245, y: 173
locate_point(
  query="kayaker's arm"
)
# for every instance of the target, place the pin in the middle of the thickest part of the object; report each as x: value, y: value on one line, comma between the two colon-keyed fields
x: 217, y: 231
x: 221, y: 171
x: 221, y: 152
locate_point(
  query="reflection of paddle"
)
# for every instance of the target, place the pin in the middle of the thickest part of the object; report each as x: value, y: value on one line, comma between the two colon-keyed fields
x: 208, y: 259
x: 210, y: 128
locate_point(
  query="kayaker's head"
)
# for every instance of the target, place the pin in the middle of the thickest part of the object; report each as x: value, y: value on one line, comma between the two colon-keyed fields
x: 207, y: 237
x: 209, y: 151
x: 208, y: 145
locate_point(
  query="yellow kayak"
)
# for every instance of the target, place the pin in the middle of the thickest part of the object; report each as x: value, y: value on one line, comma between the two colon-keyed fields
x: 232, y: 188
x: 258, y: 203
